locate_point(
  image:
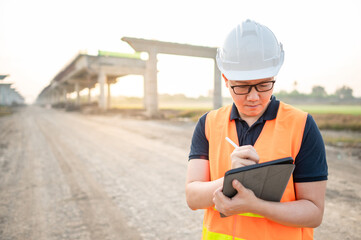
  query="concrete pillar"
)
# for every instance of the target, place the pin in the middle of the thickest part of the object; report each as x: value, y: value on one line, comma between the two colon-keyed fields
x: 151, y: 85
x: 57, y: 97
x: 77, y: 90
x: 89, y: 89
x: 64, y: 95
x: 60, y: 96
x: 217, y: 91
x: 1, y: 95
x: 102, y: 78
x: 52, y: 101
x: 145, y: 91
x: 109, y: 96
x: 89, y: 95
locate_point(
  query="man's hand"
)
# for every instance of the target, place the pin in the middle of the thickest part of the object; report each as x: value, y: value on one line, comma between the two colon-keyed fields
x: 244, y: 156
x: 243, y: 202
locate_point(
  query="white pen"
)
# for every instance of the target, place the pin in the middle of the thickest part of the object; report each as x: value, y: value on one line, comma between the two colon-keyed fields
x: 231, y: 142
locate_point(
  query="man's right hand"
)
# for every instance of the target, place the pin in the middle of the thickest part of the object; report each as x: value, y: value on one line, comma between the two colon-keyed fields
x: 244, y: 156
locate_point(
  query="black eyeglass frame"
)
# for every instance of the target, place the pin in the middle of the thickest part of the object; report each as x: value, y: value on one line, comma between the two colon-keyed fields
x: 251, y: 86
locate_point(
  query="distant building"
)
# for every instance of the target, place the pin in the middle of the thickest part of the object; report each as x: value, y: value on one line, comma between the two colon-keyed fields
x: 2, y: 77
x: 9, y: 96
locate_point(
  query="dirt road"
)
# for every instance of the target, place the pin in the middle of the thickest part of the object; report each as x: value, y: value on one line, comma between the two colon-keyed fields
x: 74, y: 176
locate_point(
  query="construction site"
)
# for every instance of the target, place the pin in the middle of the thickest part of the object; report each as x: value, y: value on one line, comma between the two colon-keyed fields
x: 68, y: 174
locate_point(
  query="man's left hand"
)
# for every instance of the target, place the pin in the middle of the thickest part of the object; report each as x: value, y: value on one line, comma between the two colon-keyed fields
x: 243, y: 202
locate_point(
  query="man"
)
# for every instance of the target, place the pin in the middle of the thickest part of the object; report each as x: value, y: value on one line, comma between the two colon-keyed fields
x: 265, y: 129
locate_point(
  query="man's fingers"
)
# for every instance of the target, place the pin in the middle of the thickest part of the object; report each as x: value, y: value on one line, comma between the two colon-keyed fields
x: 247, y: 162
x: 219, y: 194
x: 218, y: 190
x: 237, y: 163
x: 219, y: 197
x: 246, y: 152
x: 238, y: 186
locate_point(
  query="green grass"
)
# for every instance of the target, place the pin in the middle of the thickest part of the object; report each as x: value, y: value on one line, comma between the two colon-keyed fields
x: 342, y: 141
x: 127, y: 106
x: 335, y: 117
x: 331, y: 109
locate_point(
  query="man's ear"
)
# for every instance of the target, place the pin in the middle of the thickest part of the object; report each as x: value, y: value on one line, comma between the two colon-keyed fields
x: 225, y: 80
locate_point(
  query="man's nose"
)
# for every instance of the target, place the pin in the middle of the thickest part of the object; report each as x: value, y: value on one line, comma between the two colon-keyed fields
x: 253, y: 94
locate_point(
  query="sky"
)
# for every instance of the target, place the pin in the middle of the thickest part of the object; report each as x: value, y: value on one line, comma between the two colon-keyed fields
x: 321, y: 39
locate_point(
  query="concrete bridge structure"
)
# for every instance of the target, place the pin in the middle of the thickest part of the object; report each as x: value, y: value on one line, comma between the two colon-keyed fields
x: 85, y: 71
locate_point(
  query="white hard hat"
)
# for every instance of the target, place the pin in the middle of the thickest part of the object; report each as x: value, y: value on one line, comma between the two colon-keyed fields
x: 250, y: 51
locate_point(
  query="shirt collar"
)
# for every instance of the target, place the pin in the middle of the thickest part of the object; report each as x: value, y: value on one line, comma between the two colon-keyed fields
x: 269, y: 114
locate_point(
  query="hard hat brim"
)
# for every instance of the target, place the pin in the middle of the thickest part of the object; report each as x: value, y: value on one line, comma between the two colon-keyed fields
x: 251, y: 75
x: 242, y: 75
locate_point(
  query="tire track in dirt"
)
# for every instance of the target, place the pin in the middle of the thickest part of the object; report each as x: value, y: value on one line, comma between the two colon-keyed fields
x: 343, y: 197
x: 19, y: 185
x: 143, y: 175
x: 100, y: 216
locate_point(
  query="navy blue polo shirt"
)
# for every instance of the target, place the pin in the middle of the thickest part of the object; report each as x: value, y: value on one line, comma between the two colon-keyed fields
x: 310, y: 163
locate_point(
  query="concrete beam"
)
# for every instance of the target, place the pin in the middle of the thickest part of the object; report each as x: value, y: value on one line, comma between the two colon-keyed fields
x: 144, y: 45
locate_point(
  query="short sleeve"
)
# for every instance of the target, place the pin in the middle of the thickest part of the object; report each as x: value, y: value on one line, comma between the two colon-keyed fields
x: 311, y: 162
x: 199, y: 146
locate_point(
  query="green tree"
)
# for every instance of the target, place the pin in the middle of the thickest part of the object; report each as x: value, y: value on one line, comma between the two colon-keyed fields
x: 318, y: 91
x: 344, y: 92
x: 295, y: 93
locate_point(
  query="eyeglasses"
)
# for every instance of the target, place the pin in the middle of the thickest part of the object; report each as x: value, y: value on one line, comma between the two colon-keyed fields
x: 260, y: 87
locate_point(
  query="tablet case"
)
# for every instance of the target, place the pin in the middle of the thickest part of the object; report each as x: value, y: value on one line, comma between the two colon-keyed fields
x: 267, y: 180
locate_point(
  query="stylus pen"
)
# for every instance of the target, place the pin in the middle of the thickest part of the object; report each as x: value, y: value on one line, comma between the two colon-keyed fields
x: 231, y: 142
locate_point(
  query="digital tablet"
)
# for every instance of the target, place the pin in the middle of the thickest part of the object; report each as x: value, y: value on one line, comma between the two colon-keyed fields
x: 267, y: 180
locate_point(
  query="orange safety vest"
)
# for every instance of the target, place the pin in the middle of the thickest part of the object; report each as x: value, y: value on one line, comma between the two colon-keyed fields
x: 280, y: 137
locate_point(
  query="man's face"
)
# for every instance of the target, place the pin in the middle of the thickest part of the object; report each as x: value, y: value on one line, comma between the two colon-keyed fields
x: 254, y: 103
